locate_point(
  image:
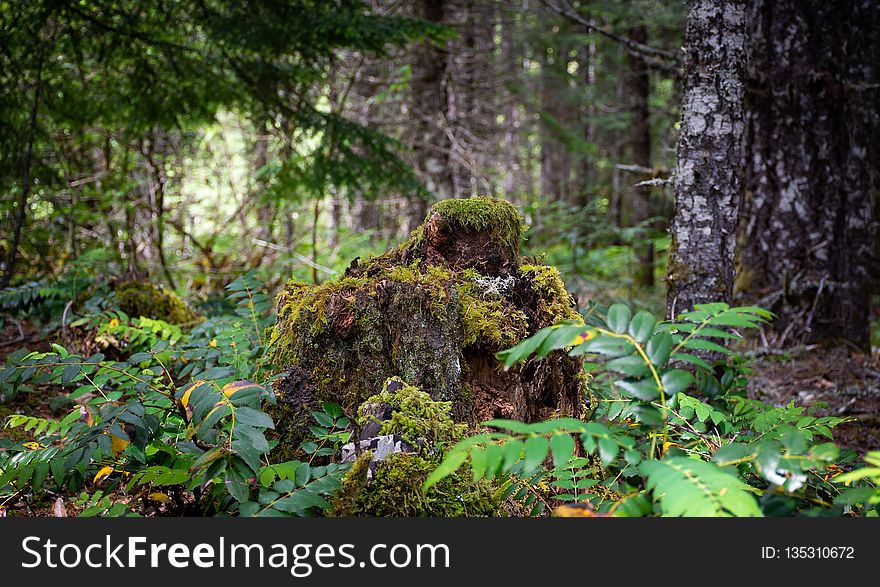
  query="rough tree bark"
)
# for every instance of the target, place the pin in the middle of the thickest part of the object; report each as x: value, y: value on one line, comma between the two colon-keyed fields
x: 708, y: 181
x: 805, y: 241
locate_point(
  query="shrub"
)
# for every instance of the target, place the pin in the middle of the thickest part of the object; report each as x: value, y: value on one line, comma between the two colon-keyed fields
x: 672, y: 430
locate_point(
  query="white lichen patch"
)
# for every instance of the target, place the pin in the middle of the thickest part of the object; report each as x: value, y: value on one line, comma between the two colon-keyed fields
x: 494, y: 286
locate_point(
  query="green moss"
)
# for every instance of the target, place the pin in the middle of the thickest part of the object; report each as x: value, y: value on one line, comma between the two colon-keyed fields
x: 489, y: 321
x: 415, y: 415
x: 423, y: 313
x: 434, y: 279
x: 297, y: 296
x: 145, y: 299
x: 396, y: 491
x: 554, y: 301
x: 345, y: 500
x: 499, y: 217
x: 352, y: 333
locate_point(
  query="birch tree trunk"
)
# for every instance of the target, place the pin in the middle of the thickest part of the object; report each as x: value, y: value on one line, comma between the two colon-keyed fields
x: 708, y: 181
x: 806, y: 245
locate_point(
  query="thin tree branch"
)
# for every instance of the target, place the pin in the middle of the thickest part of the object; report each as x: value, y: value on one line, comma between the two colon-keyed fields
x: 657, y: 58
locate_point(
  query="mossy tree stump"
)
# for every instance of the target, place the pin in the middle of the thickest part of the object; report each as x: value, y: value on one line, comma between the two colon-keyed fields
x: 433, y: 311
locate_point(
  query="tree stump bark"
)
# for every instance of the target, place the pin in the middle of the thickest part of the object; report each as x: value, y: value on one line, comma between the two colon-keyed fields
x: 433, y: 311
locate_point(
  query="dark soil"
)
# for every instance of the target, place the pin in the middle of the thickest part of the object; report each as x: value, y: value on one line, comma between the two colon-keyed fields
x: 848, y: 382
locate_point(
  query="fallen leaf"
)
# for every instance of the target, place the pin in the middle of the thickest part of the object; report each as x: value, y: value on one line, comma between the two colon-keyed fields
x: 58, y: 508
x: 102, y: 473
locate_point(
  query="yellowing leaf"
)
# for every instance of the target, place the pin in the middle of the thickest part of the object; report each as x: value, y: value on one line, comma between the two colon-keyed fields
x: 102, y: 473
x: 86, y: 416
x: 213, y: 343
x: 161, y: 497
x: 667, y: 445
x: 32, y: 445
x: 584, y: 337
x: 231, y: 388
x: 574, y: 510
x: 184, y: 399
x: 117, y: 444
x: 113, y: 323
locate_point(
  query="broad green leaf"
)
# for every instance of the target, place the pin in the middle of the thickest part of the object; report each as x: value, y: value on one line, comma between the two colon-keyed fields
x: 642, y: 326
x: 733, y: 453
x: 643, y: 389
x: 216, y: 373
x: 494, y: 459
x: 300, y: 501
x: 706, y: 345
x: 717, y: 333
x: 607, y: 450
x: 536, y: 448
x: 303, y: 474
x: 561, y: 448
x: 138, y: 358
x: 478, y: 462
x: 659, y: 347
x: 865, y: 473
x: 236, y: 484
x: 562, y: 337
x: 648, y: 415
x: 334, y: 410
x: 448, y: 466
x: 248, y: 509
x: 618, y: 318
x: 630, y: 365
x: 692, y: 359
x: 603, y: 345
x: 253, y: 417
x: 712, y: 307
x: 62, y: 352
x: 675, y: 381
x: 70, y: 373
x: 524, y: 349
x: 512, y: 452
x: 731, y: 319
x: 323, y: 419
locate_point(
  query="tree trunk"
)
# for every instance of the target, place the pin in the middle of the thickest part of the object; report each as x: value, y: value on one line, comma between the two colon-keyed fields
x: 708, y: 181
x: 559, y: 117
x: 806, y: 243
x: 431, y: 142
x: 21, y: 214
x: 640, y: 147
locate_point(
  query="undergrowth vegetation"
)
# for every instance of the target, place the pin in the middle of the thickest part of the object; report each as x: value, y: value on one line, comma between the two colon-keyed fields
x: 172, y: 419
x: 175, y: 424
x: 673, y: 429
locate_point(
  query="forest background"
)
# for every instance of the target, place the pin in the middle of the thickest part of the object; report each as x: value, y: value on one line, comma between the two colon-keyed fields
x: 187, y: 144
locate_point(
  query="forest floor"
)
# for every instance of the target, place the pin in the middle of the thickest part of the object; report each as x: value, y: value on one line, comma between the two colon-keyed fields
x: 848, y: 382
